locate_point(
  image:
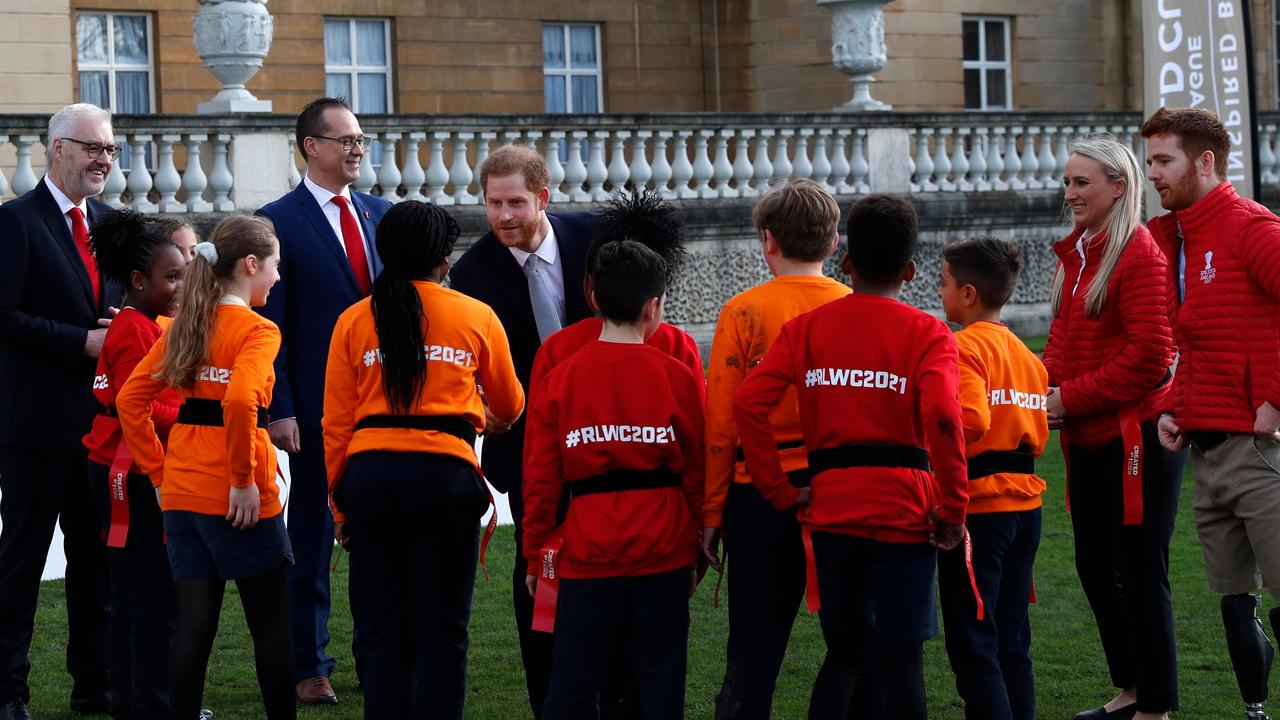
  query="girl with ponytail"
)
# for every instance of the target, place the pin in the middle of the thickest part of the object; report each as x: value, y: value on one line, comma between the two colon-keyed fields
x: 216, y: 486
x: 141, y: 587
x: 402, y: 408
x: 1109, y: 354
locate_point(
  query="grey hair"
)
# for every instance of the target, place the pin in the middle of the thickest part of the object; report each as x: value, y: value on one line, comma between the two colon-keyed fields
x: 64, y: 122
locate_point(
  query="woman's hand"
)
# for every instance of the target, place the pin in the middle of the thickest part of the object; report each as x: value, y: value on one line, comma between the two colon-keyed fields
x: 531, y: 582
x: 1053, y: 403
x: 243, y: 507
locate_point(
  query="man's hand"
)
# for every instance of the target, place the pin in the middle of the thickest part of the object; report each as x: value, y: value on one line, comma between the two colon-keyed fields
x: 1171, y: 437
x: 339, y: 534
x: 802, y: 499
x: 284, y: 435
x: 1266, y: 424
x: 1053, y: 403
x: 711, y: 547
x: 531, y: 582
x: 492, y: 425
x: 945, y: 536
x: 243, y: 507
x: 94, y: 338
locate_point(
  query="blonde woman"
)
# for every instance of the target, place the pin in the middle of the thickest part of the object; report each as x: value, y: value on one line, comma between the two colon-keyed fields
x: 1109, y: 355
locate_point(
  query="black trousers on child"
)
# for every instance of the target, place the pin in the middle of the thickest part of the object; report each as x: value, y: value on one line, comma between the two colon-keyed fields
x: 1124, y: 569
x: 766, y: 567
x: 877, y: 610
x: 142, y: 597
x: 991, y: 657
x: 649, y: 614
x: 414, y: 524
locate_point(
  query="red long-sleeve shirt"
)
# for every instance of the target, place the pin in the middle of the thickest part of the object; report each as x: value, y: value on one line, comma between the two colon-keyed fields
x: 615, y: 406
x: 867, y: 370
x: 128, y: 339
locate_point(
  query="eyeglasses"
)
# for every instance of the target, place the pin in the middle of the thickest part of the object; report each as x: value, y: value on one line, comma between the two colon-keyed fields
x: 95, y: 150
x: 346, y: 142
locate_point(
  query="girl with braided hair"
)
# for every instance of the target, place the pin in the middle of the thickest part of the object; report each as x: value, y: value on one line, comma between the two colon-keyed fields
x: 141, y: 617
x: 402, y: 408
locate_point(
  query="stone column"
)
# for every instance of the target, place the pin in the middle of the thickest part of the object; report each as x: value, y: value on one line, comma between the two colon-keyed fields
x: 857, y: 47
x: 232, y: 38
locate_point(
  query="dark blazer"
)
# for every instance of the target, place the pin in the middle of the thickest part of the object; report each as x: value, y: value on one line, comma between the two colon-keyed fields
x: 488, y: 272
x: 316, y: 285
x: 47, y: 309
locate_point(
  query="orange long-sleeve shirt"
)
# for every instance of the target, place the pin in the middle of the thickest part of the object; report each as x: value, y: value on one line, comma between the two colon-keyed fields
x: 464, y: 342
x: 204, y: 462
x: 1002, y: 393
x: 748, y: 324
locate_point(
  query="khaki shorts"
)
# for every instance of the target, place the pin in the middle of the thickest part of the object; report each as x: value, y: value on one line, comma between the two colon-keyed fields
x: 1237, y: 512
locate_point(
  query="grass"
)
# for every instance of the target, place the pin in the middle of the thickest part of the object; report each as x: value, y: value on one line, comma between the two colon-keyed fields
x: 1070, y: 670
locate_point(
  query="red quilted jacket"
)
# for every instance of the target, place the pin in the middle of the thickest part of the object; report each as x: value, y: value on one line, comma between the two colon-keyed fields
x: 1106, y: 363
x: 1228, y: 326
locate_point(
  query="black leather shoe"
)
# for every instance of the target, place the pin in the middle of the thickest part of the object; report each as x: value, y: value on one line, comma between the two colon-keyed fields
x: 100, y: 705
x: 1123, y: 713
x: 14, y: 710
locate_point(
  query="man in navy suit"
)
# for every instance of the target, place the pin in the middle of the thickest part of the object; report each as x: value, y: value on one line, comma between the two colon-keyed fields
x: 53, y: 305
x: 328, y: 260
x: 529, y: 269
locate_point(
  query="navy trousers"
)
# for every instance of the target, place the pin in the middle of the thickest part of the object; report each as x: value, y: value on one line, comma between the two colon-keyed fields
x: 766, y: 576
x: 38, y: 490
x: 649, y: 615
x: 991, y: 658
x: 1124, y: 569
x: 414, y: 524
x: 142, y: 602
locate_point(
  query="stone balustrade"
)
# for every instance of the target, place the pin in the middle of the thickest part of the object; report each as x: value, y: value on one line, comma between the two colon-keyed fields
x: 220, y: 163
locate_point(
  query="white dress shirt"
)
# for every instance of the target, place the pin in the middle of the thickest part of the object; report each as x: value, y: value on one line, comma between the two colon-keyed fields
x: 333, y: 214
x: 549, y: 253
x: 65, y: 205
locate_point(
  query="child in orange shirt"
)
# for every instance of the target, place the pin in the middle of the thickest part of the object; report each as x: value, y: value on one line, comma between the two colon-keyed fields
x: 141, y: 612
x: 216, y: 486
x: 798, y: 225
x: 401, y: 415
x: 1002, y: 396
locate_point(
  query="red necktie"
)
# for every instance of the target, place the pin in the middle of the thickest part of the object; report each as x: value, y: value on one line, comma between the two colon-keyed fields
x: 80, y: 234
x: 355, y: 244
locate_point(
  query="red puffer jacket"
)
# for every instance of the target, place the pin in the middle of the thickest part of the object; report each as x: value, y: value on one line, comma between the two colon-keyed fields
x: 1106, y: 363
x: 1228, y: 326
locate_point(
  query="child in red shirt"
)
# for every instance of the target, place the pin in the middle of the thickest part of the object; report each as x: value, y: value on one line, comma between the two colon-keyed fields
x: 876, y: 382
x: 615, y: 423
x: 1002, y: 393
x: 141, y: 585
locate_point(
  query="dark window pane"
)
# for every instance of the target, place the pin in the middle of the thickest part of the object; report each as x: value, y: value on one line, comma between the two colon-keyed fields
x: 995, y: 41
x: 997, y: 98
x: 973, y: 89
x: 971, y: 40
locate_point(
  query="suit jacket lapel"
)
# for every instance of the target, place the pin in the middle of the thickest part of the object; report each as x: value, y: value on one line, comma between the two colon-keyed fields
x: 369, y: 228
x: 310, y: 209
x: 56, y: 223
x: 573, y: 259
x: 511, y: 284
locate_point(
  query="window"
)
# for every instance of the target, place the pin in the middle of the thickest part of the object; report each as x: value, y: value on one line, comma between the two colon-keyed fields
x: 988, y: 82
x: 357, y: 66
x: 571, y: 80
x: 114, y: 61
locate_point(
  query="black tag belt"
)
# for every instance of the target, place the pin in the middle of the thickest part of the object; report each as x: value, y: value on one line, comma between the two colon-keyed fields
x: 1001, y: 461
x: 619, y: 480
x: 203, y: 411
x: 886, y: 456
x: 454, y: 425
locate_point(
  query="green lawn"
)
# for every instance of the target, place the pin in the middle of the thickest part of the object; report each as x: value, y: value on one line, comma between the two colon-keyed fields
x: 1071, y: 673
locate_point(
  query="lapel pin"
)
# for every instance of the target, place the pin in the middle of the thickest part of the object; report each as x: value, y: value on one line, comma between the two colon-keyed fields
x: 366, y: 214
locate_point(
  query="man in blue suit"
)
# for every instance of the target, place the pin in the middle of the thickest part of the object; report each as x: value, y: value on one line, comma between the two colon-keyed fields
x: 529, y: 269
x: 53, y: 302
x: 328, y: 260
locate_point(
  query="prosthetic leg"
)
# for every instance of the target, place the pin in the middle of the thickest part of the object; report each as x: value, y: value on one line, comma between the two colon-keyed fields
x: 1250, y: 650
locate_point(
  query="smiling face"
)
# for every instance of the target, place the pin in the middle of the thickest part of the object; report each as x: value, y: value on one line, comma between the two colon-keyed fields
x: 185, y: 238
x: 328, y: 165
x: 1173, y: 172
x: 515, y: 212
x: 71, y: 168
x: 157, y: 290
x: 1089, y: 192
x: 263, y: 274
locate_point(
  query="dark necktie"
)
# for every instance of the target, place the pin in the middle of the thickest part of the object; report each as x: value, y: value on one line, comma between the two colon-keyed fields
x: 354, y: 244
x: 80, y: 234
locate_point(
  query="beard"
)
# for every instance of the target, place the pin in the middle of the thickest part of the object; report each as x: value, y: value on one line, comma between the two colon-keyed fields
x: 1182, y: 193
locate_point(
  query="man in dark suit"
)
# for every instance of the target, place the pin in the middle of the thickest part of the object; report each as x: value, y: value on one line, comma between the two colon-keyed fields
x: 53, y: 305
x: 529, y: 269
x: 328, y: 260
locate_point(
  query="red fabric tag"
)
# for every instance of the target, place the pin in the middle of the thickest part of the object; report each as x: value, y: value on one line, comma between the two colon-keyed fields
x: 812, y: 598
x: 1033, y: 590
x: 493, y: 525
x: 118, y: 493
x: 973, y: 579
x: 1131, y: 433
x: 547, y: 594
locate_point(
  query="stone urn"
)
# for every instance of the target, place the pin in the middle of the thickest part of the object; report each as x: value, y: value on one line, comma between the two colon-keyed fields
x: 857, y: 47
x: 232, y: 38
